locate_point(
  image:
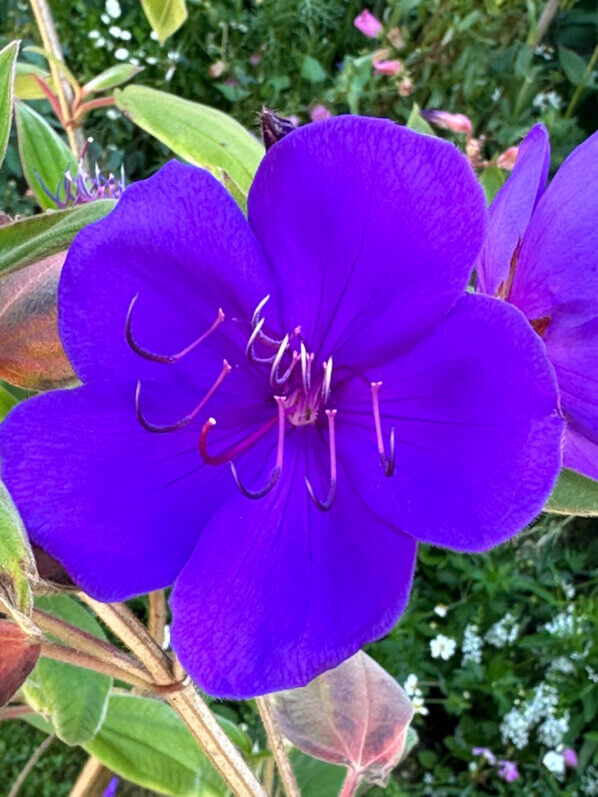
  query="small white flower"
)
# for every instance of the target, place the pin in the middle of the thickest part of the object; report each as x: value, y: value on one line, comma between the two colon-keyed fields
x: 134, y: 61
x: 441, y: 609
x: 105, y: 19
x: 154, y: 36
x: 410, y: 685
x: 472, y: 645
x: 554, y: 762
x: 94, y: 34
x: 419, y: 706
x: 504, y: 632
x: 442, y: 647
x: 114, y: 30
x: 101, y: 42
x: 151, y: 60
x: 113, y: 113
x: 113, y: 8
x: 125, y: 35
x: 121, y: 54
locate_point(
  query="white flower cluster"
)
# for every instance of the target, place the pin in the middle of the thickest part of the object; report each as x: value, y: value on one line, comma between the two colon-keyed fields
x: 552, y: 731
x: 589, y: 782
x: 547, y: 99
x: 504, y: 632
x: 518, y: 722
x: 472, y: 645
x: 561, y: 665
x: 442, y: 647
x: 413, y: 691
x: 564, y: 624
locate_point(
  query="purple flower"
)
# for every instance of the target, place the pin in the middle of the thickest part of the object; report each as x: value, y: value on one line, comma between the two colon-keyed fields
x: 570, y: 757
x: 484, y: 751
x: 541, y: 254
x: 84, y: 188
x: 367, y: 23
x: 508, y: 771
x: 361, y: 400
x: 111, y: 788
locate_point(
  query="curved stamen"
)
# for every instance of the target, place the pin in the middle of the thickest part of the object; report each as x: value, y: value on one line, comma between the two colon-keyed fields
x: 276, y: 470
x: 324, y: 506
x: 234, y: 451
x: 151, y: 427
x: 256, y: 313
x: 256, y: 318
x: 165, y: 358
x: 327, y: 379
x: 277, y: 358
x: 250, y: 348
x: 388, y: 463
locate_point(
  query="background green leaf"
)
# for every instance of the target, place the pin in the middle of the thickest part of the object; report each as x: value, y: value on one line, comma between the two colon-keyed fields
x: 8, y: 57
x: 44, y: 155
x: 72, y: 698
x: 574, y: 494
x: 574, y: 67
x: 7, y: 402
x: 492, y: 180
x: 16, y: 560
x: 199, y: 134
x: 165, y: 16
x: 417, y: 122
x: 143, y: 740
x: 34, y: 238
x: 316, y: 778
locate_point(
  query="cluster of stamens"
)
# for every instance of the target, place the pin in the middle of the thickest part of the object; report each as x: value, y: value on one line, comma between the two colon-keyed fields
x: 299, y: 399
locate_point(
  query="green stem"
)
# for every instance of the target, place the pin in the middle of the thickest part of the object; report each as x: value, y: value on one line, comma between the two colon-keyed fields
x: 578, y: 91
x: 16, y: 788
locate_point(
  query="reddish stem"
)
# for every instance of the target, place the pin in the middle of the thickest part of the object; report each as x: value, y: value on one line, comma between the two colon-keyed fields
x: 350, y: 784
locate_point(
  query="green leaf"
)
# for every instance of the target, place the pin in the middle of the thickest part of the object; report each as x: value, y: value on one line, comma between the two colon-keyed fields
x: 17, y: 566
x: 8, y: 57
x: 574, y: 66
x: 199, y: 134
x: 72, y: 698
x: 44, y: 155
x: 7, y: 402
x: 36, y: 237
x: 417, y: 122
x: 410, y: 742
x: 114, y: 76
x: 574, y: 494
x: 492, y: 180
x: 316, y: 778
x: 312, y: 70
x: 144, y: 741
x: 165, y: 16
x: 26, y: 86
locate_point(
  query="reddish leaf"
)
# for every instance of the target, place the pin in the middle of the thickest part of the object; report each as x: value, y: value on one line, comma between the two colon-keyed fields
x: 355, y: 715
x: 18, y: 656
x: 31, y: 355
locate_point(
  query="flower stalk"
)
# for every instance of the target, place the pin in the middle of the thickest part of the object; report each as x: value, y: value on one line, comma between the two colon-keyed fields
x: 277, y: 745
x: 157, y: 615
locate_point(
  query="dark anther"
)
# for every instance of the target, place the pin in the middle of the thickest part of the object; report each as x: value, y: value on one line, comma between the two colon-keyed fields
x: 274, y: 127
x: 165, y: 358
x: 388, y: 463
x: 156, y: 429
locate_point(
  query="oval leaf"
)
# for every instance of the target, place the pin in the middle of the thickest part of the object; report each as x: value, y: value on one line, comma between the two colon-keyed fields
x: 8, y: 57
x: 417, y: 122
x: 26, y: 86
x: 34, y: 238
x: 574, y: 494
x: 114, y: 76
x: 44, y: 155
x: 17, y: 566
x: 492, y: 179
x: 355, y: 715
x: 18, y: 656
x: 72, y: 698
x: 165, y: 16
x: 31, y: 355
x: 144, y: 741
x: 199, y: 134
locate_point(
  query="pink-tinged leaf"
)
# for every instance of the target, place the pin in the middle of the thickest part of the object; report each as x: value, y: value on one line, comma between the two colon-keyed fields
x: 355, y: 715
x: 18, y: 656
x: 31, y: 355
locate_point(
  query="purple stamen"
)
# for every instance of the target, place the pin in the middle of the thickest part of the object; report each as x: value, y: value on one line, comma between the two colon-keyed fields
x: 324, y: 506
x: 388, y: 463
x: 165, y: 358
x: 277, y: 469
x: 233, y: 451
x: 226, y: 368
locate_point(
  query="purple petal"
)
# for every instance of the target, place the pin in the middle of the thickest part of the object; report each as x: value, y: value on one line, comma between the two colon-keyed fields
x: 558, y: 261
x: 276, y: 591
x: 119, y: 507
x: 512, y: 208
x: 179, y: 241
x: 572, y: 346
x: 373, y: 230
x: 477, y: 430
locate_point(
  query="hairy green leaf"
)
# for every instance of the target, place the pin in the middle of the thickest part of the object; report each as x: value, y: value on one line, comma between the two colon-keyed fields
x: 17, y: 566
x: 165, y: 16
x: 8, y: 57
x: 574, y: 494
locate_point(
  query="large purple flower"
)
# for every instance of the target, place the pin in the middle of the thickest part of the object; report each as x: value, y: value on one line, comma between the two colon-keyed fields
x: 541, y: 254
x: 361, y: 401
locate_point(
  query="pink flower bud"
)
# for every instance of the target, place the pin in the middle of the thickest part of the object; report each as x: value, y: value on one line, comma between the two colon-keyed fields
x: 506, y: 160
x: 217, y: 69
x: 388, y: 67
x: 455, y: 122
x: 320, y: 112
x: 570, y: 757
x: 405, y: 87
x: 367, y: 23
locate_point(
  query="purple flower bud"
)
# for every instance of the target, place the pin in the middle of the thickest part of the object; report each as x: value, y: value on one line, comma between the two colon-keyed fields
x: 484, y: 751
x: 570, y: 757
x: 274, y: 127
x: 367, y: 23
x: 508, y: 771
x: 111, y: 788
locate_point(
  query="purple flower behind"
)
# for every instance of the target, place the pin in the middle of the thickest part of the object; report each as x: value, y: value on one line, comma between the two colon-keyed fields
x: 276, y: 408
x: 508, y: 771
x: 541, y: 254
x: 84, y: 188
x: 570, y: 757
x: 111, y: 788
x: 484, y: 751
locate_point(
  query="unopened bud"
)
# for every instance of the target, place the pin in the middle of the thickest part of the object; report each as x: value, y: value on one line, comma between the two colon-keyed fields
x: 391, y: 67
x: 367, y: 23
x: 455, y: 122
x: 506, y: 160
x: 217, y: 69
x: 274, y: 127
x: 18, y: 656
